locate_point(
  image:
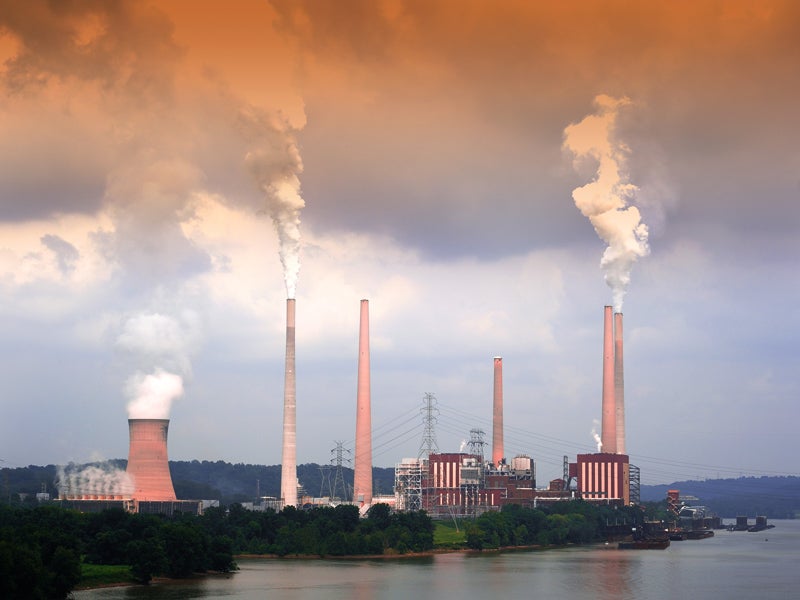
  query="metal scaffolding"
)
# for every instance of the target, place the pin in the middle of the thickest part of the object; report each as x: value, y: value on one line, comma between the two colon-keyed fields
x: 635, y: 484
x: 408, y: 483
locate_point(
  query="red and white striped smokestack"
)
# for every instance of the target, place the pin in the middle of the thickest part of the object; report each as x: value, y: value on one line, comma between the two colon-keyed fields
x: 609, y: 425
x: 148, y: 464
x: 619, y: 384
x: 497, y: 413
x: 289, y: 453
x: 362, y: 477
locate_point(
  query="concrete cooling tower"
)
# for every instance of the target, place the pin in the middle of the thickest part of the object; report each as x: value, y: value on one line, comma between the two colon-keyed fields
x: 148, y: 465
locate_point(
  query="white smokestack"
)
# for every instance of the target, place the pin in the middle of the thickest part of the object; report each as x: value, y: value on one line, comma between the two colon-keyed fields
x: 605, y: 199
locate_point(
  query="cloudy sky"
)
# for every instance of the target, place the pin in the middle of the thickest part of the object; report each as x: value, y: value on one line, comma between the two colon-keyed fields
x: 148, y: 148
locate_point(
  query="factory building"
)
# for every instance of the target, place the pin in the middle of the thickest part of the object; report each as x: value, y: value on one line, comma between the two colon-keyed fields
x: 603, y: 477
x: 148, y: 488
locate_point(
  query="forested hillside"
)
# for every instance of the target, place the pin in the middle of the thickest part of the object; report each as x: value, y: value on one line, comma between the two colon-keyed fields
x: 774, y: 497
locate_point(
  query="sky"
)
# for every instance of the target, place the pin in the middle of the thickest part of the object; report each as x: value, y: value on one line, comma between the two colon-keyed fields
x: 172, y: 171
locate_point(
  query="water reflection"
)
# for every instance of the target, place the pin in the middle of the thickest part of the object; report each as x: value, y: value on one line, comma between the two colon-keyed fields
x: 733, y: 566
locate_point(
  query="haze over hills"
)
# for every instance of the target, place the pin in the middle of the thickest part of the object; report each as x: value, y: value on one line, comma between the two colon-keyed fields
x: 775, y: 497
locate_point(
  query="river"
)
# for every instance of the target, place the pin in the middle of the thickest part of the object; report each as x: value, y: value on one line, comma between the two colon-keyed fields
x: 731, y: 565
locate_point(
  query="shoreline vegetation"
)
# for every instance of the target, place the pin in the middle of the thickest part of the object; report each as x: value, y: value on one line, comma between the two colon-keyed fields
x: 47, y: 551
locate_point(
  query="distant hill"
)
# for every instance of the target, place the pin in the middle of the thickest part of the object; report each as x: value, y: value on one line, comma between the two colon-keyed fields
x: 774, y: 497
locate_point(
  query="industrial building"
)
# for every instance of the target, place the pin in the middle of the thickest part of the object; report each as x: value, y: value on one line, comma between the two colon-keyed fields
x: 449, y: 484
x: 148, y: 487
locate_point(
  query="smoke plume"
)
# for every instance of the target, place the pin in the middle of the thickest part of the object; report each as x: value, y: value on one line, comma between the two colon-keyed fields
x: 161, y: 346
x: 93, y: 480
x: 596, y: 436
x: 605, y: 199
x: 151, y: 395
x: 274, y: 161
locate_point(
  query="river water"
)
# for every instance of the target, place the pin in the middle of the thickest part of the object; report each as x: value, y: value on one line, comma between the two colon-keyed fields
x: 731, y: 565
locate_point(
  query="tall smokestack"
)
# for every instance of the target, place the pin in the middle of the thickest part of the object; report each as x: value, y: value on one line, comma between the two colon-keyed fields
x: 148, y: 464
x: 609, y: 425
x: 497, y: 413
x: 289, y: 454
x: 362, y: 477
x: 619, y: 384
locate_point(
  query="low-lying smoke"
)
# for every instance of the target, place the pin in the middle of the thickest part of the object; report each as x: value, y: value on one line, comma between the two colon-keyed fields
x: 101, y: 479
x: 275, y: 163
x: 605, y: 199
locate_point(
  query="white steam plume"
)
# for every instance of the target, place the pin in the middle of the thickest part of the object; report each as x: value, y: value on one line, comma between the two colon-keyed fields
x: 151, y: 395
x: 596, y: 436
x: 275, y: 163
x: 605, y: 199
x: 102, y: 479
x: 161, y: 345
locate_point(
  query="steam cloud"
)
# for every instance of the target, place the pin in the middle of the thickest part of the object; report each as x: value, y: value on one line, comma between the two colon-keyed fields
x: 275, y: 163
x: 160, y: 342
x: 605, y: 199
x: 93, y: 480
x: 596, y: 436
x: 151, y: 395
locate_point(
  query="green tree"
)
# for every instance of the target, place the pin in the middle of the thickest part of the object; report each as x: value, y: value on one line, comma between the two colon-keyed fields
x: 147, y: 558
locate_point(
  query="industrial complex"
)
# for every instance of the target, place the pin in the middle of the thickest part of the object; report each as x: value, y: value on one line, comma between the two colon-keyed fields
x: 445, y: 484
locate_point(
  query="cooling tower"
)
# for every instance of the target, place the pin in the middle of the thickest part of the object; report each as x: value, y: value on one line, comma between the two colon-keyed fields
x: 609, y: 424
x: 289, y: 453
x: 497, y: 413
x: 362, y: 476
x: 619, y: 384
x: 148, y: 465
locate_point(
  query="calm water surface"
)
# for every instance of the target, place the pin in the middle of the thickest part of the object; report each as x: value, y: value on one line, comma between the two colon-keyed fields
x: 731, y: 565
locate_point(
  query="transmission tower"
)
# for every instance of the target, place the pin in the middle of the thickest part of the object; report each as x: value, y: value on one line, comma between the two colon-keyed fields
x: 325, y: 477
x: 429, y: 414
x: 476, y: 443
x: 341, y: 456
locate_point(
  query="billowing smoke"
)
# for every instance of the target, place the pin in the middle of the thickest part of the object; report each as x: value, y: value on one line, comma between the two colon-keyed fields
x: 151, y: 396
x: 101, y: 479
x: 605, y: 199
x: 275, y: 163
x: 161, y: 344
x: 598, y: 440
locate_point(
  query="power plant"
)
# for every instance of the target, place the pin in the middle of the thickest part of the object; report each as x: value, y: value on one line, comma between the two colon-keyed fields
x: 444, y: 484
x: 144, y: 487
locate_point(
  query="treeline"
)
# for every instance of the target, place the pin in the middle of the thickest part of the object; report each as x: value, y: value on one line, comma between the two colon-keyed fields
x: 325, y: 531
x: 41, y: 548
x: 566, y: 522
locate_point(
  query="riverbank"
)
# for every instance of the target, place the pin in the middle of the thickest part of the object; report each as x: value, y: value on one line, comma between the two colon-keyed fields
x: 316, y: 557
